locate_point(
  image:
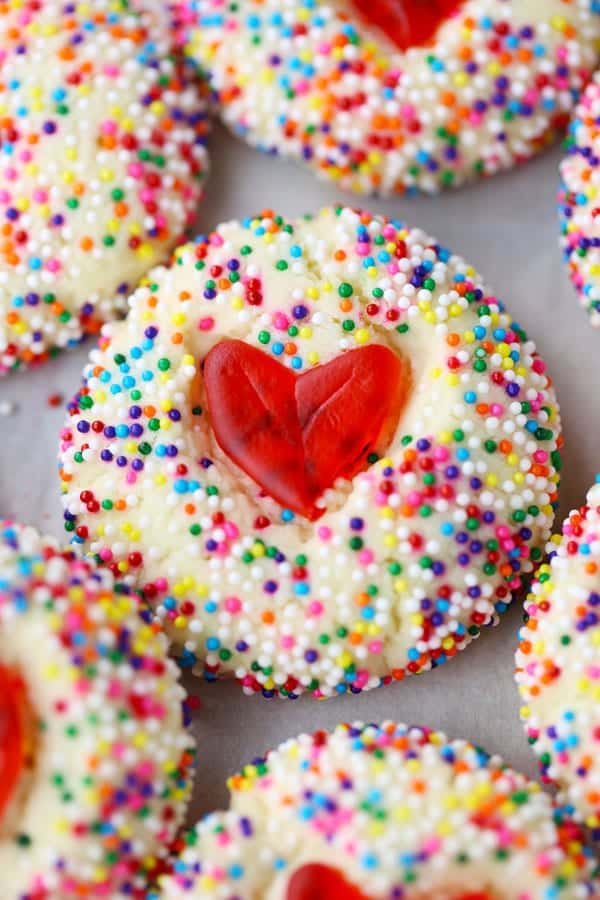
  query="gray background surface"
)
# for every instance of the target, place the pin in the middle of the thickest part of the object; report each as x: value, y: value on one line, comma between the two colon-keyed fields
x: 507, y: 228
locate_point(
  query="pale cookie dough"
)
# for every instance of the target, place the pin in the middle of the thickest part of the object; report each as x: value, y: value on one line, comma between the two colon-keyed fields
x: 414, y: 556
x: 558, y: 662
x: 107, y: 768
x: 314, y: 81
x: 102, y: 160
x: 401, y: 813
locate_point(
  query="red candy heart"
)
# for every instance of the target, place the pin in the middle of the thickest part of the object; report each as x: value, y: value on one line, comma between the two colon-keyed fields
x: 408, y: 23
x: 12, y: 735
x: 319, y: 882
x: 294, y: 435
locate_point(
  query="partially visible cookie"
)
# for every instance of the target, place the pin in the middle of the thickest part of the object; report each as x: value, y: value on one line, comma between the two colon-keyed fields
x: 395, y: 97
x: 579, y: 205
x: 95, y: 758
x: 558, y: 662
x: 102, y: 159
x: 388, y: 813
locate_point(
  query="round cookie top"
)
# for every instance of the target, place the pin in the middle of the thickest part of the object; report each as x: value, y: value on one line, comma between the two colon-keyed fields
x: 95, y: 758
x: 417, y: 108
x: 102, y: 160
x: 383, y: 812
x: 558, y: 661
x: 578, y: 201
x: 347, y: 355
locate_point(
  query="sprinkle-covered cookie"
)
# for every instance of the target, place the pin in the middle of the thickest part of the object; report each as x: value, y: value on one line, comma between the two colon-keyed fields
x: 102, y: 159
x: 94, y: 755
x: 323, y: 449
x: 579, y: 207
x: 383, y: 813
x: 387, y: 97
x: 558, y: 662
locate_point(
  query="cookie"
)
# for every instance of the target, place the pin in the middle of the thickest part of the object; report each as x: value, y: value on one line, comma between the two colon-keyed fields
x: 102, y: 160
x: 387, y: 97
x: 558, y: 662
x: 383, y: 812
x: 578, y: 204
x: 322, y: 448
x: 94, y: 754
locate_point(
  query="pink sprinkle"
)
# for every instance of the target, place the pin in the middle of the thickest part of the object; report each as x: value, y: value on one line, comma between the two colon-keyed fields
x: 361, y: 679
x: 145, y: 769
x: 281, y: 321
x: 119, y: 748
x: 233, y: 604
x: 432, y: 845
x: 538, y: 365
x: 82, y: 686
x: 115, y: 689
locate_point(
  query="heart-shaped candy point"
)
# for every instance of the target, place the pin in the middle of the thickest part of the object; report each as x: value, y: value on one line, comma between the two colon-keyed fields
x: 12, y: 736
x: 316, y: 881
x: 408, y: 23
x: 295, y: 435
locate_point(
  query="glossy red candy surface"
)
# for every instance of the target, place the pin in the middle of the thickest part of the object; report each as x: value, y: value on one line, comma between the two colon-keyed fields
x: 294, y: 435
x: 320, y: 882
x: 12, y: 735
x: 407, y: 23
